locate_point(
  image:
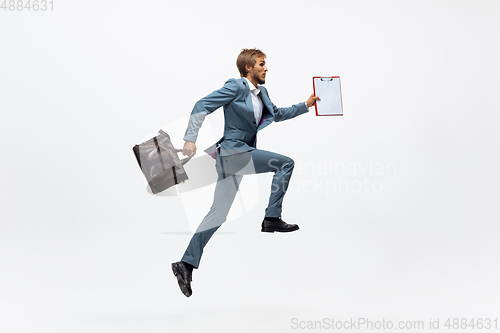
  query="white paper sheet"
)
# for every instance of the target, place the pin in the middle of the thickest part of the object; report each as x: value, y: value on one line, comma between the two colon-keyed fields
x: 328, y: 89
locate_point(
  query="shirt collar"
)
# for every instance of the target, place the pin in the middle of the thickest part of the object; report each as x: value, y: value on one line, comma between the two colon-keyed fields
x: 253, y: 89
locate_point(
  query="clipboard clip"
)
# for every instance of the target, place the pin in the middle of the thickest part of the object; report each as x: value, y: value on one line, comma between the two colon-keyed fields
x: 326, y: 78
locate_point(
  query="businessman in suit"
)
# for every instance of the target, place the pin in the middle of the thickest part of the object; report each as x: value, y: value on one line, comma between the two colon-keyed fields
x: 247, y: 110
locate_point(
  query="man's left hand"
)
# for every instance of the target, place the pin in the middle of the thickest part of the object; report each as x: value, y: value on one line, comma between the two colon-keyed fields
x: 310, y: 102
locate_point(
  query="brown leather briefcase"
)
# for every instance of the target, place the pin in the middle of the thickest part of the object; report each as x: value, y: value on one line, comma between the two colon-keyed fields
x: 160, y: 163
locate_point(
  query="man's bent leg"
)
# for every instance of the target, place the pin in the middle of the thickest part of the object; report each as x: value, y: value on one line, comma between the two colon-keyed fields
x: 261, y: 161
x: 282, y: 166
x: 225, y: 192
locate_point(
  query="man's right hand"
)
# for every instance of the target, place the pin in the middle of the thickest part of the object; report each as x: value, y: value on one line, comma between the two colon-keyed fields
x: 312, y: 99
x: 189, y: 149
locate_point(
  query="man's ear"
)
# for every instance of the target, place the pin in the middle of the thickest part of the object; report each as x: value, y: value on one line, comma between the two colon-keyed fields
x: 248, y: 68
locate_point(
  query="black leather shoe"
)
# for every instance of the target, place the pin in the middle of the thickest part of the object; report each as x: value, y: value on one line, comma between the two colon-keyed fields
x: 279, y: 226
x: 184, y: 277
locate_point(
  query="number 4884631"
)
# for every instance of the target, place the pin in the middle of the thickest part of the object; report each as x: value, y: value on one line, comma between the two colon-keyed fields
x: 27, y: 5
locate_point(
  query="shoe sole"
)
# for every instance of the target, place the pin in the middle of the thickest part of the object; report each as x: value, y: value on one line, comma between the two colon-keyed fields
x: 273, y: 230
x: 180, y: 281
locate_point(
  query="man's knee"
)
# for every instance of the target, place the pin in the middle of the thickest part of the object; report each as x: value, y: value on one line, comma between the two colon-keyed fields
x: 281, y: 163
x: 289, y: 164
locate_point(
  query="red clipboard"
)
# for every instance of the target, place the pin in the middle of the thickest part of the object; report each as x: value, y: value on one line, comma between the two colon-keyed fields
x: 329, y: 90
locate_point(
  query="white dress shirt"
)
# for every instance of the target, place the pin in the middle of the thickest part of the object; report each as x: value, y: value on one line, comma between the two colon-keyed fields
x: 258, y: 106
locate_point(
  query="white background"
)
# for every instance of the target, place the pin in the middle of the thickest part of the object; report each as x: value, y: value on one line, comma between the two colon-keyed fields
x: 85, y: 248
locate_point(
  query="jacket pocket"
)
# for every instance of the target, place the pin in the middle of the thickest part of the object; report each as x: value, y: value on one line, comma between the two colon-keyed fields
x: 234, y: 136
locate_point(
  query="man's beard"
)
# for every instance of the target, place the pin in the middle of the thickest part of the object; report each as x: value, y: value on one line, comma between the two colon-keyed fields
x: 259, y: 80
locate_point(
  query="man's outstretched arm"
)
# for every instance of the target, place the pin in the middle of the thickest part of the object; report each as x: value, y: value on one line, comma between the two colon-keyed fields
x: 281, y: 114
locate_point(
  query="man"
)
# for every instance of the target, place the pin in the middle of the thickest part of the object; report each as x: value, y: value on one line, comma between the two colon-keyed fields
x: 247, y: 110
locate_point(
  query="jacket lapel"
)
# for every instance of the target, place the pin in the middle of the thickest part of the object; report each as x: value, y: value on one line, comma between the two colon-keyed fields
x: 267, y: 112
x: 248, y: 98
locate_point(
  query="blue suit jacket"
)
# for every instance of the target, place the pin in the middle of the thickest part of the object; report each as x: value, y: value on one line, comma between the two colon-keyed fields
x: 240, y: 128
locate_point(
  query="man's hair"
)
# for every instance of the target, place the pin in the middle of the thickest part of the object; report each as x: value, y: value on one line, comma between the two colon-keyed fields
x: 247, y: 57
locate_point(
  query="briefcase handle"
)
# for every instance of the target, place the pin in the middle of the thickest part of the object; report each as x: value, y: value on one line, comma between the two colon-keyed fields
x: 177, y: 150
x: 184, y: 160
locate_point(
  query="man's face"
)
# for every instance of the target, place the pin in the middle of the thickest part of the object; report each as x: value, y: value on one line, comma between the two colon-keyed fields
x: 258, y: 71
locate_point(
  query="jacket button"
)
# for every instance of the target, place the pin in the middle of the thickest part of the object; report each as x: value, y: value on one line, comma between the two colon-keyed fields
x: 254, y: 122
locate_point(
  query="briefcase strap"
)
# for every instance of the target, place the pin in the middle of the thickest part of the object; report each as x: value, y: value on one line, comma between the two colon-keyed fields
x: 159, y: 154
x: 175, y: 175
x: 163, y: 164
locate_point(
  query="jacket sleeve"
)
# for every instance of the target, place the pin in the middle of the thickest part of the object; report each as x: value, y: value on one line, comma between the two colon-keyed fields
x: 295, y: 110
x: 207, y: 105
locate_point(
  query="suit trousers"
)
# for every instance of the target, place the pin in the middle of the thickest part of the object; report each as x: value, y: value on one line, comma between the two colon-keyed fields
x: 230, y: 170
